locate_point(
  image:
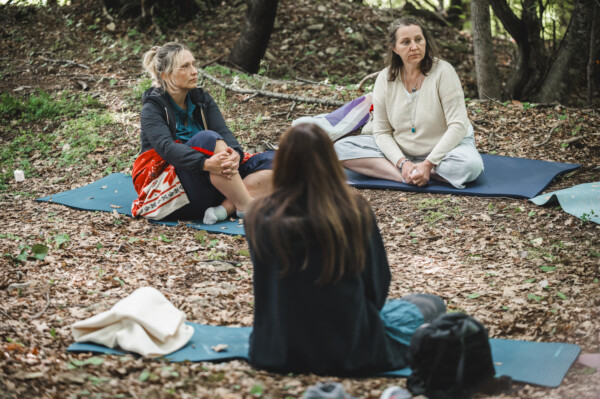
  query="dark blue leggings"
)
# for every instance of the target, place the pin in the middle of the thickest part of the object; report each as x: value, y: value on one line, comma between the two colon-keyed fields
x: 198, y: 187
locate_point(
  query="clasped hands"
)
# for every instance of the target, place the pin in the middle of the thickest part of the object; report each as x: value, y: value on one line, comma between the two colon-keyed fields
x: 418, y: 174
x: 224, y: 163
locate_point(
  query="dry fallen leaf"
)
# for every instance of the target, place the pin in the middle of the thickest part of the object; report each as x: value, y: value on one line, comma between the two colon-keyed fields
x: 219, y: 348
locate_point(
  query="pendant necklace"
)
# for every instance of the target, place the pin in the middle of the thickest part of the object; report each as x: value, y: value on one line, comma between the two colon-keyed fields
x: 413, y: 99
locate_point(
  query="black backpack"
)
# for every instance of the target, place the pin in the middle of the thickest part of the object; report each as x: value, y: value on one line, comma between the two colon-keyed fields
x: 450, y: 358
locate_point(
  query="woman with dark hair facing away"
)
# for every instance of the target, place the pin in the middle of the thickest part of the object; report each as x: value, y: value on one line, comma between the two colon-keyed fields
x: 190, y: 166
x: 420, y: 125
x: 321, y: 275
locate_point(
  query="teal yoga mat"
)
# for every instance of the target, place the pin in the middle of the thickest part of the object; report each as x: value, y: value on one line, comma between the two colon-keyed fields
x: 582, y: 201
x: 539, y: 363
x: 502, y: 177
x: 116, y: 193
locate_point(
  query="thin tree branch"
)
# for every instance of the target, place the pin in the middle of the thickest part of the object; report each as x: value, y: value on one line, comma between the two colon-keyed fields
x: 492, y: 99
x: 549, y: 136
x: 574, y: 139
x: 211, y: 61
x: 65, y: 62
x: 264, y: 93
x: 35, y: 316
x: 6, y: 314
x: 362, y: 82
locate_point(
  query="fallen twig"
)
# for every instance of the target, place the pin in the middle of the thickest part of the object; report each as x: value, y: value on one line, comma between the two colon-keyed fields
x: 492, y: 99
x: 549, y: 136
x: 6, y: 314
x: 303, y: 80
x: 249, y: 98
x: 574, y: 139
x: 207, y: 63
x: 219, y: 260
x: 65, y: 62
x: 278, y: 114
x: 369, y: 76
x: 291, y: 110
x: 264, y: 93
x: 35, y: 316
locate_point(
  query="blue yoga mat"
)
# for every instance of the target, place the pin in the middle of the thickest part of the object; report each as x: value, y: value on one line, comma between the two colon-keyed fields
x: 116, y: 193
x: 582, y: 201
x: 502, y: 177
x: 539, y: 363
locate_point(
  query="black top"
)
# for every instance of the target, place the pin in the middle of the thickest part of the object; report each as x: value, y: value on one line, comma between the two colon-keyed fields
x: 159, y: 127
x: 334, y: 329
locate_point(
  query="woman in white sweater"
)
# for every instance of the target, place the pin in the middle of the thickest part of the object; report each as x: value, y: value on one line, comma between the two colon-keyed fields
x: 420, y: 125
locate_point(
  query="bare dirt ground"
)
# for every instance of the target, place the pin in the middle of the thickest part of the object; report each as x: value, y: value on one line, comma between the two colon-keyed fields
x: 526, y: 272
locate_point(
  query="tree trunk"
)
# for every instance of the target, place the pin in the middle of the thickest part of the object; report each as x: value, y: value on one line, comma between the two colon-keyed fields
x: 250, y: 47
x: 593, y: 68
x: 569, y: 68
x: 488, y: 82
x: 531, y: 60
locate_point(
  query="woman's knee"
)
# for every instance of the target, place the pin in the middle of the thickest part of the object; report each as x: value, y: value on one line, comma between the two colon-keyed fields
x: 207, y: 140
x: 475, y: 166
x: 431, y: 306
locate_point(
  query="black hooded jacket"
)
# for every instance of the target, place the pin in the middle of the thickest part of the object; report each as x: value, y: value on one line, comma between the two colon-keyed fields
x: 159, y: 128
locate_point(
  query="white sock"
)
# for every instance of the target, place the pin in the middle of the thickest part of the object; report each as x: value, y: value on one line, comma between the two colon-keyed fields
x: 240, y: 214
x: 215, y: 214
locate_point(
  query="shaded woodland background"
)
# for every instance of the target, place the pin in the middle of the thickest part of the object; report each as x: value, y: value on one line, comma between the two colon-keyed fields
x: 70, y: 88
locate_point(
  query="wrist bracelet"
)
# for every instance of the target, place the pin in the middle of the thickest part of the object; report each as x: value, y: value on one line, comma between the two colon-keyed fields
x: 402, y: 163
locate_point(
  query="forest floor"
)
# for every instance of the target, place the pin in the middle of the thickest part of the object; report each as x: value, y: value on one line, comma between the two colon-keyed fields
x: 526, y: 272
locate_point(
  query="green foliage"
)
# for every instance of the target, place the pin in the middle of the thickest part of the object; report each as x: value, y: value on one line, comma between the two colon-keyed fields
x: 83, y: 130
x: 41, y: 105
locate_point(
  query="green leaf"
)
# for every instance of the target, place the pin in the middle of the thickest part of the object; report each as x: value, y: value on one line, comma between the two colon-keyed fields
x: 40, y: 251
x: 244, y: 252
x: 257, y: 390
x: 163, y: 238
x: 474, y: 296
x: 62, y: 239
x: 23, y: 255
x: 144, y: 375
x: 119, y: 280
x: 505, y: 307
x: 561, y: 295
x: 53, y: 333
x: 532, y: 213
x: 535, y: 297
x: 547, y: 268
x: 96, y: 361
x: 530, y: 280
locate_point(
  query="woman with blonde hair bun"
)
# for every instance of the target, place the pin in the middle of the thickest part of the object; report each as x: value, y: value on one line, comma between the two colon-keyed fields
x: 190, y: 165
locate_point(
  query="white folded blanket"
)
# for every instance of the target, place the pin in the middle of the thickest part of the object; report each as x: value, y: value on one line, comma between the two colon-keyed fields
x: 145, y: 322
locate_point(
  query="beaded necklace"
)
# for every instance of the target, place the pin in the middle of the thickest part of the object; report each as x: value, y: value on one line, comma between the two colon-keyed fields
x: 413, y: 99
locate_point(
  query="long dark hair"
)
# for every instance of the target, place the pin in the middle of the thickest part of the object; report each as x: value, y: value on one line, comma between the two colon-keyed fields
x: 311, y: 200
x: 394, y: 61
